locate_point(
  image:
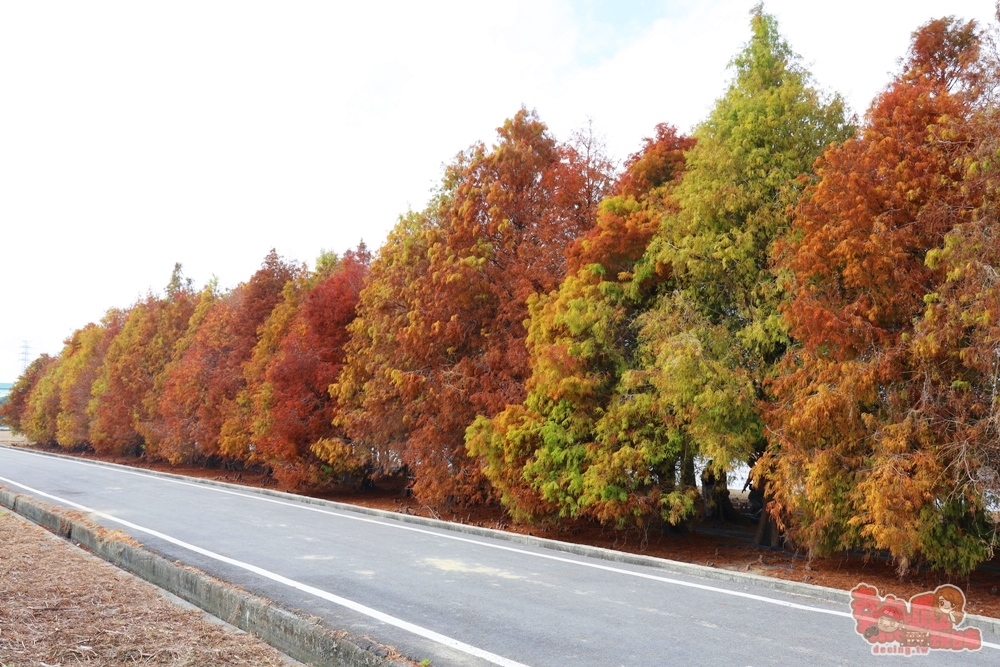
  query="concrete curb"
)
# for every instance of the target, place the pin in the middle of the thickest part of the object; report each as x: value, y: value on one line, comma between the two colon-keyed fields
x: 834, y: 595
x: 301, y: 638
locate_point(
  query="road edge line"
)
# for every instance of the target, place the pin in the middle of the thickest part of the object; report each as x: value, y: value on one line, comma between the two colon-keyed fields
x: 299, y: 637
x: 824, y: 593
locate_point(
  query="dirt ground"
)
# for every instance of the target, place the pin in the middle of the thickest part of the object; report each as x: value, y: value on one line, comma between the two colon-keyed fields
x: 62, y: 606
x: 727, y: 546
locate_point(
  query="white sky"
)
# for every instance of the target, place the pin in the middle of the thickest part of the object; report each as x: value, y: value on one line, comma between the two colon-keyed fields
x: 134, y: 135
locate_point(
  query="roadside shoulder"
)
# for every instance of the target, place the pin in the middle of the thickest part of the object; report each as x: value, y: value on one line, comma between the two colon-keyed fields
x: 824, y: 593
x: 304, y: 639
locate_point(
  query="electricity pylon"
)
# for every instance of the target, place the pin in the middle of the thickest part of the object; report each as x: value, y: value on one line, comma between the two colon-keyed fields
x: 25, y: 355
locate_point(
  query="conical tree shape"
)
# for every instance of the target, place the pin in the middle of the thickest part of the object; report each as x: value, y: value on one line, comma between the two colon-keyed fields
x: 440, y: 330
x: 857, y: 459
x: 577, y: 335
x: 685, y: 371
x: 121, y: 394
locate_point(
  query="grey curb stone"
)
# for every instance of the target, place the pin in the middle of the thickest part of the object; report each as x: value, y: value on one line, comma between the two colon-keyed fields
x: 301, y: 638
x: 834, y: 595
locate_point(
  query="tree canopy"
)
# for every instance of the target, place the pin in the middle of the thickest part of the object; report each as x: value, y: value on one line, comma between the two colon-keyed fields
x: 858, y: 456
x: 572, y: 339
x: 639, y: 371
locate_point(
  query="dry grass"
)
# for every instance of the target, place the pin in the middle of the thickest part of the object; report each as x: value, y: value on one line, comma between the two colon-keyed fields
x: 61, y: 606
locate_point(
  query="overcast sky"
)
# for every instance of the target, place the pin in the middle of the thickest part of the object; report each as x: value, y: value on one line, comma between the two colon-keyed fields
x: 134, y: 135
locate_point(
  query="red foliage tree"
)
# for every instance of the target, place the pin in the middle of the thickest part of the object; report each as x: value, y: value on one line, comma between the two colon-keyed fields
x: 289, y: 381
x: 445, y: 343
x: 202, y: 381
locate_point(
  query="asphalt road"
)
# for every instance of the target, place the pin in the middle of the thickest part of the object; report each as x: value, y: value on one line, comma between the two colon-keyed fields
x: 453, y: 598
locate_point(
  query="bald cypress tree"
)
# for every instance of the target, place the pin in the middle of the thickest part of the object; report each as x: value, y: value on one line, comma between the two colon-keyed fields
x: 689, y: 366
x: 880, y: 426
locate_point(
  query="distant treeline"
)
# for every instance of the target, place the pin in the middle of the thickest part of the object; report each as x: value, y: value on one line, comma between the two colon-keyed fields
x: 814, y: 295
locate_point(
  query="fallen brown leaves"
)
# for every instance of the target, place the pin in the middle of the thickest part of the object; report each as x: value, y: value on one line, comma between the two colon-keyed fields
x: 61, y: 606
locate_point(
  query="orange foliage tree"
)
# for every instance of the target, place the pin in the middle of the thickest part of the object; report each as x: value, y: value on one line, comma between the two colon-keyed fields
x: 198, y: 390
x: 88, y: 348
x: 54, y: 410
x: 32, y: 406
x: 440, y: 332
x: 39, y: 420
x: 852, y: 463
x: 12, y: 411
x: 577, y: 335
x: 299, y: 355
x: 119, y: 403
x: 374, y: 403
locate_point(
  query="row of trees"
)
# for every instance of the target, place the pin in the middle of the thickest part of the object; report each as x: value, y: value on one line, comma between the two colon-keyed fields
x: 782, y: 287
x: 199, y: 377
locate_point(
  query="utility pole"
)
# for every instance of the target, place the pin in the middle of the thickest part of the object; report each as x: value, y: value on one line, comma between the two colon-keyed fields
x: 25, y: 355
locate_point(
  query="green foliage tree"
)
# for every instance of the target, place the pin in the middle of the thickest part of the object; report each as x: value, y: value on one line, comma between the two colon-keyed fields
x: 580, y: 342
x: 715, y: 336
x: 682, y: 376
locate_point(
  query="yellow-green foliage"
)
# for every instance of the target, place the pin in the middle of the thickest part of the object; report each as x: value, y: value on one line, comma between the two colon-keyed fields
x: 635, y: 374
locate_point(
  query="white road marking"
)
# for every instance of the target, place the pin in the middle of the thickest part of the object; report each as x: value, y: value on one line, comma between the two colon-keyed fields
x: 399, y: 526
x: 336, y: 599
x: 596, y: 566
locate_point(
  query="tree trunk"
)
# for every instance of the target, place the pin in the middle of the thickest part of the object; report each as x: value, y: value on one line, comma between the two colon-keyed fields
x: 688, y: 478
x: 768, y: 534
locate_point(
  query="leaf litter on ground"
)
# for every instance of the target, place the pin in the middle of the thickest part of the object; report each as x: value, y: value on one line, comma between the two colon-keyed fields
x: 62, y: 606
